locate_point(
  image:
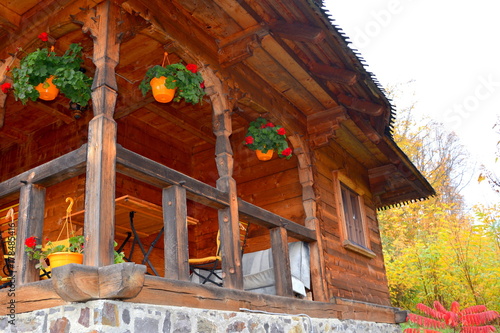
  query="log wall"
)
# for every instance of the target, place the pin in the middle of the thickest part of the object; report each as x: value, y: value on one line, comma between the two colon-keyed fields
x: 348, y: 274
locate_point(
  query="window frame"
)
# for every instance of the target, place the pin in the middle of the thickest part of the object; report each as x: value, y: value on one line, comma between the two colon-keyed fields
x: 342, y: 184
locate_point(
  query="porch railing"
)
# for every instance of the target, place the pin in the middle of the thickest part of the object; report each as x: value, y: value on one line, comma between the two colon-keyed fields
x: 30, y: 186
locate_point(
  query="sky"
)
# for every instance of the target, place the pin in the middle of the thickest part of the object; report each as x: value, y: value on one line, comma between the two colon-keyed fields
x: 451, y: 52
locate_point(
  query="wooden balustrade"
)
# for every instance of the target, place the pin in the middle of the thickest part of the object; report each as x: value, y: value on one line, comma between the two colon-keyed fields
x: 176, y: 187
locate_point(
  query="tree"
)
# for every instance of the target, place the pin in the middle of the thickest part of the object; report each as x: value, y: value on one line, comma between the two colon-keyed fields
x: 435, y: 249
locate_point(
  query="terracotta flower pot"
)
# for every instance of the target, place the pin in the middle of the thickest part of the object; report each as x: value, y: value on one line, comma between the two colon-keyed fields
x: 264, y: 156
x: 63, y: 258
x: 161, y: 93
x: 48, y: 91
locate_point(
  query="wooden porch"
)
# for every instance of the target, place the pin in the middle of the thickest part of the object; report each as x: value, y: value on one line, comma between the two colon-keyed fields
x: 279, y: 59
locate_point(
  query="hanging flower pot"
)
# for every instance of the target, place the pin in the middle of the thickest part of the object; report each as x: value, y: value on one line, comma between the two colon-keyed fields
x: 160, y: 92
x: 264, y: 156
x: 57, y: 259
x: 48, y: 90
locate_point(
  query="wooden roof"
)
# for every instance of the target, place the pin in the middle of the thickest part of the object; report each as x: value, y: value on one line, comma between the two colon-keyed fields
x: 279, y: 57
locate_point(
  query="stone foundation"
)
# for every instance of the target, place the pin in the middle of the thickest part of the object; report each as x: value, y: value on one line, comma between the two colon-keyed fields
x: 122, y: 317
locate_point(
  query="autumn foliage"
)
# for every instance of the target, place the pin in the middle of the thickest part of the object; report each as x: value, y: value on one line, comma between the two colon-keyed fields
x: 468, y: 320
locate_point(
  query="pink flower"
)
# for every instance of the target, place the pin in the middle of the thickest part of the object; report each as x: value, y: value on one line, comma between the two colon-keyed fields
x: 248, y: 140
x: 30, y: 242
x: 286, y: 152
x: 5, y: 87
x: 192, y: 67
x: 281, y: 131
x: 44, y: 36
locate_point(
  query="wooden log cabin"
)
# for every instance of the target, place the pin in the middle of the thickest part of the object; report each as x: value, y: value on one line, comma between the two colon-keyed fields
x: 283, y: 60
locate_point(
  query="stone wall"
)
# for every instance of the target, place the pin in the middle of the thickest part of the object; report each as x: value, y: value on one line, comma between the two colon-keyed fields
x: 122, y: 317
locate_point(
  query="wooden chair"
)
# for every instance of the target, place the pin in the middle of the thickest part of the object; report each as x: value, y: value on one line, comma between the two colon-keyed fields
x: 207, y: 269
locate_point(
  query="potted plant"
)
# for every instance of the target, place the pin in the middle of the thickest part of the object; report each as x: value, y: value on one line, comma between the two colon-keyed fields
x: 174, y: 82
x: 60, y: 253
x: 264, y: 137
x: 40, y: 69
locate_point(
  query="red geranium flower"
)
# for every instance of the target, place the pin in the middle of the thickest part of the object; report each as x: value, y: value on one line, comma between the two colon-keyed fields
x: 281, y: 131
x: 30, y: 242
x: 202, y: 85
x: 286, y: 152
x: 249, y: 140
x: 192, y: 67
x: 44, y: 36
x: 5, y: 87
x: 270, y: 124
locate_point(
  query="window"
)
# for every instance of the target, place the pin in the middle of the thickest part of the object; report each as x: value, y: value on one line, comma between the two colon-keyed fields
x: 352, y: 217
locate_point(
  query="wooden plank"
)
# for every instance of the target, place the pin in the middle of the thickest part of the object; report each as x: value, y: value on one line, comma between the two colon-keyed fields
x: 281, y: 260
x: 62, y: 168
x: 299, y: 32
x: 262, y: 217
x: 175, y: 235
x: 161, y: 291
x: 29, y: 224
x: 154, y: 173
x: 184, y: 121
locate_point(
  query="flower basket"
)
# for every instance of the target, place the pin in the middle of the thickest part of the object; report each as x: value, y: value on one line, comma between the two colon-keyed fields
x: 185, y: 81
x: 48, y: 91
x: 264, y: 156
x: 264, y: 137
x: 61, y: 252
x: 58, y: 259
x: 38, y: 66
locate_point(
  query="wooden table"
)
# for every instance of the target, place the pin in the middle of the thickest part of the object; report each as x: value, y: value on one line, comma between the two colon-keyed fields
x: 136, y: 218
x: 148, y: 217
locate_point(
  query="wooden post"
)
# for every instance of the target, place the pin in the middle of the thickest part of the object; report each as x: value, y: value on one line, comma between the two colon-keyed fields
x: 228, y: 217
x: 306, y: 176
x: 175, y: 235
x: 29, y: 224
x: 281, y: 260
x: 100, y: 184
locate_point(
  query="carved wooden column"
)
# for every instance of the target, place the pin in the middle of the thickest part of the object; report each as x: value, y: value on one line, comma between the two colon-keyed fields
x: 306, y: 177
x: 228, y: 217
x: 29, y: 224
x: 101, y: 22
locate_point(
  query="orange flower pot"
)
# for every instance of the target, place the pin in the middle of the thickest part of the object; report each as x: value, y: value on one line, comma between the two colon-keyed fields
x: 264, y: 156
x: 161, y: 93
x: 48, y: 91
x: 63, y: 258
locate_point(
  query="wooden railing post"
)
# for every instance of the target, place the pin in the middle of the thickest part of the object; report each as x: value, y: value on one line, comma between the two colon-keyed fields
x: 99, y: 219
x: 175, y: 233
x: 29, y: 224
x: 281, y: 260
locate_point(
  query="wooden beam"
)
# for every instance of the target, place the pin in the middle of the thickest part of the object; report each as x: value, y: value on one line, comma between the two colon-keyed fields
x: 182, y: 120
x: 262, y: 217
x: 334, y: 74
x: 299, y: 32
x: 64, y: 167
x: 362, y: 106
x: 321, y: 126
x: 54, y: 108
x: 257, y: 30
x: 79, y: 283
x: 366, y: 128
x: 175, y: 234
x: 9, y: 20
x: 156, y: 174
x: 238, y: 51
